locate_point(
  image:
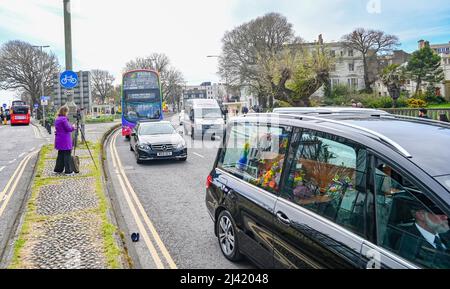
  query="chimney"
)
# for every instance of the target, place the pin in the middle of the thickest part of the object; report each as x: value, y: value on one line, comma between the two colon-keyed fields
x: 421, y: 44
x: 320, y: 39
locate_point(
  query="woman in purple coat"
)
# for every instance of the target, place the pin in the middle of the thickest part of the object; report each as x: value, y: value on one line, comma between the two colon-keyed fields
x: 63, y: 142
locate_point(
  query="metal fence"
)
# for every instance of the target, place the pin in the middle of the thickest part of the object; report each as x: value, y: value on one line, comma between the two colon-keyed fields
x: 433, y: 113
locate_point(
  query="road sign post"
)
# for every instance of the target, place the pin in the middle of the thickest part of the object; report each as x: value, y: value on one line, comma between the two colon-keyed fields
x: 69, y: 80
x: 44, y: 103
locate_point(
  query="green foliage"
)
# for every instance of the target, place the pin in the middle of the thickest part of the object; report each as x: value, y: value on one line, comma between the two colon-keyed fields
x: 380, y: 102
x: 443, y: 105
x: 369, y: 100
x: 281, y: 103
x: 416, y: 103
x: 340, y: 90
x: 425, y: 65
x: 101, y: 119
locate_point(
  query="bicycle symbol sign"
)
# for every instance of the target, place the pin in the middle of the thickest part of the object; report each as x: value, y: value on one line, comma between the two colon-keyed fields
x: 68, y: 79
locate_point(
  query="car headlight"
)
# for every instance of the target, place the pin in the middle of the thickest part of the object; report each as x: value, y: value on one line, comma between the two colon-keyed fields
x: 144, y: 147
x: 181, y: 145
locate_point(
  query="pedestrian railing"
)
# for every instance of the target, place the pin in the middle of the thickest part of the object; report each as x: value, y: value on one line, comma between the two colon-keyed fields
x: 433, y: 113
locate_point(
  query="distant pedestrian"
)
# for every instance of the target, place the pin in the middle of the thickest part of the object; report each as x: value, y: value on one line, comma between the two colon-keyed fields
x: 359, y: 105
x: 354, y: 104
x: 423, y: 113
x: 63, y: 142
x: 443, y: 117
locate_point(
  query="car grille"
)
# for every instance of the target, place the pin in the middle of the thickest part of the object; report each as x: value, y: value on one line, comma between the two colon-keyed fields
x: 163, y: 147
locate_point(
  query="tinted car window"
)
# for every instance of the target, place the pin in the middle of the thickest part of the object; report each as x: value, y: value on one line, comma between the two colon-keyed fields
x: 256, y: 154
x: 328, y: 176
x: 409, y: 224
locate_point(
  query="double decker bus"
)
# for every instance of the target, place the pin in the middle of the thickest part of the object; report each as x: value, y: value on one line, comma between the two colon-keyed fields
x: 20, y: 113
x: 141, y: 98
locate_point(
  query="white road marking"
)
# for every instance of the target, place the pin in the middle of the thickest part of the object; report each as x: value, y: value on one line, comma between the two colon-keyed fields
x: 2, y: 168
x: 199, y: 155
x: 21, y: 155
x: 7, y: 193
x: 13, y: 161
x: 32, y: 149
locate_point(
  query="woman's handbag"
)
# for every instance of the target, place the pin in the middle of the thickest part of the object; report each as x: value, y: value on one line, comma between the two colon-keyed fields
x: 76, y: 164
x: 75, y: 161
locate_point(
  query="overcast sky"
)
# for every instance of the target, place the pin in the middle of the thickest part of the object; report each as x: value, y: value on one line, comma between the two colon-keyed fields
x: 107, y: 34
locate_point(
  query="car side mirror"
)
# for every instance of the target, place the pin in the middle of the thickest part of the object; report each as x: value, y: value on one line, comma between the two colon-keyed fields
x: 133, y: 133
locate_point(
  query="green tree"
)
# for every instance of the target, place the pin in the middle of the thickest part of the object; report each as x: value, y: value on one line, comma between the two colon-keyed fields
x: 425, y: 66
x: 393, y: 77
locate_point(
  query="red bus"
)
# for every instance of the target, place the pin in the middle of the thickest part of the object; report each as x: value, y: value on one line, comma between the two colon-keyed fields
x: 20, y: 114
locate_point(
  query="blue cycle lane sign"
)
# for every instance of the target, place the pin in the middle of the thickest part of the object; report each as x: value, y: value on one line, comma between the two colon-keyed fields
x: 5, y: 105
x: 68, y: 79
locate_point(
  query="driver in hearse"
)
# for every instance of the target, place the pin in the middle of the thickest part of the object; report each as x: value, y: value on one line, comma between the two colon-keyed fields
x: 427, y: 238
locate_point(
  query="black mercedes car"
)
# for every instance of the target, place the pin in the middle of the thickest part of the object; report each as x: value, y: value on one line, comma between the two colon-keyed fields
x: 152, y: 140
x: 340, y: 190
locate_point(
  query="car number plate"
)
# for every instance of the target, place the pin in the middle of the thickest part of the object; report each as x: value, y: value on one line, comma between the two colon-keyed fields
x: 165, y: 154
x: 20, y: 117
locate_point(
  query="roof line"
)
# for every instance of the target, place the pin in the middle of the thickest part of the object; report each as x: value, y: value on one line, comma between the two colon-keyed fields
x: 383, y: 138
x: 417, y: 119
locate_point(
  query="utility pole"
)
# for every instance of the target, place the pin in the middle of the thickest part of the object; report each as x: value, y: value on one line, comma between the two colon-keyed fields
x: 73, y: 109
x: 41, y: 56
x: 68, y: 34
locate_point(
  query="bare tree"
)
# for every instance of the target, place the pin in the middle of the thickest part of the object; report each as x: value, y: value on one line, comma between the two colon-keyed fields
x: 172, y: 85
x: 20, y: 69
x: 156, y: 61
x: 251, y: 47
x: 102, y: 84
x: 370, y: 42
x: 171, y: 79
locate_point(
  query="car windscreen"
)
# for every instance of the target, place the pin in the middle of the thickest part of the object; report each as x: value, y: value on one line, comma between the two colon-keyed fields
x: 156, y: 129
x: 208, y: 113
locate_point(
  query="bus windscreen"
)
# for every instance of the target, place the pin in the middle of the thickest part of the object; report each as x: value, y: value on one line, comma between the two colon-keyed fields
x: 138, y: 111
x: 20, y: 110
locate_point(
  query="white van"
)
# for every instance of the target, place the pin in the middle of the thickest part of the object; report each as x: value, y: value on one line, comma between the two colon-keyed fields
x: 203, y: 119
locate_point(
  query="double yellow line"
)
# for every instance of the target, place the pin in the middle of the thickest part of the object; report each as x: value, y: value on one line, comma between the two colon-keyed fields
x: 144, y: 224
x: 7, y: 193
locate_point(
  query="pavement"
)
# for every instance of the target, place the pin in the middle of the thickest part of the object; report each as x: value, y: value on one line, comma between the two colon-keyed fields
x: 67, y: 222
x: 164, y: 201
x: 18, y: 151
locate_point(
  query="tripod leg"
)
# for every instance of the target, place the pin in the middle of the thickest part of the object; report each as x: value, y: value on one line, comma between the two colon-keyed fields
x: 87, y: 146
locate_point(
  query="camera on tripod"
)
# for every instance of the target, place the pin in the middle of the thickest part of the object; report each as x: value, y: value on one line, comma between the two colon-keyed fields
x: 78, y: 115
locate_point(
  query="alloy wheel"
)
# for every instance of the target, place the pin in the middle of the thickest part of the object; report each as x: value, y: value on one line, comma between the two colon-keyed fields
x: 226, y: 236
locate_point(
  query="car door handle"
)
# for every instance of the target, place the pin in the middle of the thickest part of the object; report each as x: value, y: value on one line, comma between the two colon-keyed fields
x: 230, y: 193
x: 283, y: 218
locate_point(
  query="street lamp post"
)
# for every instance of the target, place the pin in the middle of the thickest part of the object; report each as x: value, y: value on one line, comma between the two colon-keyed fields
x: 226, y: 84
x: 42, y: 77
